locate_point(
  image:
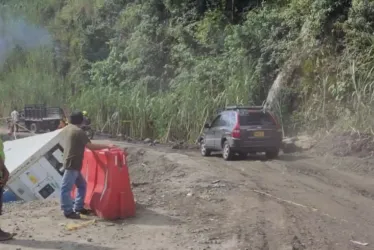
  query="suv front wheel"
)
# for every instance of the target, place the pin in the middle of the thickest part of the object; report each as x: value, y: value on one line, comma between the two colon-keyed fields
x: 227, y: 153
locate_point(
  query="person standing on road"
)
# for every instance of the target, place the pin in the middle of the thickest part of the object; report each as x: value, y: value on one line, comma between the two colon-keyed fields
x: 15, y: 119
x: 4, y: 175
x: 76, y: 141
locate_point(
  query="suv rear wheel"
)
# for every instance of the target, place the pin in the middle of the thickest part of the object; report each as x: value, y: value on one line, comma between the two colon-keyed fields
x: 272, y: 154
x: 227, y: 153
x: 203, y: 150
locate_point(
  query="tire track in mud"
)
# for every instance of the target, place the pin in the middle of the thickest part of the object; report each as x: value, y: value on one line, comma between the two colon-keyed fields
x: 352, y: 190
x: 260, y: 239
x: 266, y: 227
x: 332, y: 177
x: 315, y: 177
x: 237, y: 226
x: 342, y: 197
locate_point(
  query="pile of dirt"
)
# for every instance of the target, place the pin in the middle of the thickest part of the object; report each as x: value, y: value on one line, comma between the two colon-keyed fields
x: 346, y: 144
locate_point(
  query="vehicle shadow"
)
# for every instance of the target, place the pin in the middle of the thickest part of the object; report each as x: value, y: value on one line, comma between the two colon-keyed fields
x: 256, y: 157
x: 262, y: 157
x: 146, y: 216
x: 51, y: 244
x: 290, y: 157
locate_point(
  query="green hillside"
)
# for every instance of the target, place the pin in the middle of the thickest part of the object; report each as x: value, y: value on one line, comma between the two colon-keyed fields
x: 166, y: 65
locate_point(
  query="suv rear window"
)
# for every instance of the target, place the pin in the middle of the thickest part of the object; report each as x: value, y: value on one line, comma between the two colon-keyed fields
x: 255, y: 118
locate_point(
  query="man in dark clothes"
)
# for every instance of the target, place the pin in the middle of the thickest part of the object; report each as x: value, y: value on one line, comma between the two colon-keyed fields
x: 76, y: 141
x: 4, y: 175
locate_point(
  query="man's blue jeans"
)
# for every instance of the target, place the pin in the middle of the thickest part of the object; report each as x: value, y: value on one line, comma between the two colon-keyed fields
x: 70, y: 178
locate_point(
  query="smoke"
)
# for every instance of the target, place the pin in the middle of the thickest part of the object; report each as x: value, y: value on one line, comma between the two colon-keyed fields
x: 17, y: 32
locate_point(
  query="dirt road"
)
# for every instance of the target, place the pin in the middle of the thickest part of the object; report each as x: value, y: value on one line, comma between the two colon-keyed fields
x: 186, y: 201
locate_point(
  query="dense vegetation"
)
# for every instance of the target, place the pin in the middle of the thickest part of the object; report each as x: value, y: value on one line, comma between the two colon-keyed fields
x: 163, y: 66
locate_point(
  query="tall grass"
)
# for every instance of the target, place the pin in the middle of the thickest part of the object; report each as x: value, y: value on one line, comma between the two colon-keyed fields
x: 176, y: 114
x: 33, y: 80
x: 348, y: 110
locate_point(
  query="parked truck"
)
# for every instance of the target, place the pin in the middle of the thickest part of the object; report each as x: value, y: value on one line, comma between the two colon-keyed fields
x: 39, y: 117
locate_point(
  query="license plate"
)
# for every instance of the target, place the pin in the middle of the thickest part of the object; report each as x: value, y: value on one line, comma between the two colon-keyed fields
x: 259, y: 134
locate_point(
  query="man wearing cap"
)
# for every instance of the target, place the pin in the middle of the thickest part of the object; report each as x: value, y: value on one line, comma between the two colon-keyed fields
x: 76, y: 142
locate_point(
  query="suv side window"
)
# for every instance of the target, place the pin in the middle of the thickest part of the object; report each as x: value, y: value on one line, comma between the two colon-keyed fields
x: 231, y: 118
x: 216, y: 122
x: 222, y: 122
x: 225, y: 121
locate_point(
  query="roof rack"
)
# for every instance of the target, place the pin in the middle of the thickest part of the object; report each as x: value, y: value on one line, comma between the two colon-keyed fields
x: 244, y: 107
x: 238, y: 107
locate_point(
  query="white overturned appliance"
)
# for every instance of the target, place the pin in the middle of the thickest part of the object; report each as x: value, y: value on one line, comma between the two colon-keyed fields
x: 35, y: 165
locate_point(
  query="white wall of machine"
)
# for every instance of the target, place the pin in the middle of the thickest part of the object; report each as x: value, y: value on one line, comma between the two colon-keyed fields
x: 35, y: 165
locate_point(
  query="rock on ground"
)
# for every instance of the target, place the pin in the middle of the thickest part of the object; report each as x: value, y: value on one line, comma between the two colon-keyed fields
x: 298, y: 144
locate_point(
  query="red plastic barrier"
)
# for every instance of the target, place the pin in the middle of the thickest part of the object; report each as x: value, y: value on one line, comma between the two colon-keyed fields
x: 109, y: 192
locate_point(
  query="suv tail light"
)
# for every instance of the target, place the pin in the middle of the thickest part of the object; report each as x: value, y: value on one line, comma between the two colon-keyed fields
x: 236, y: 130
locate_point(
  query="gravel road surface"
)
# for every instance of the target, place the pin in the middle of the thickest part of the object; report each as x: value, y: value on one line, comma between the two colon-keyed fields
x: 186, y: 201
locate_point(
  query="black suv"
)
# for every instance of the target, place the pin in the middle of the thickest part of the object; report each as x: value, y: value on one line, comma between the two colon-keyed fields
x: 242, y: 130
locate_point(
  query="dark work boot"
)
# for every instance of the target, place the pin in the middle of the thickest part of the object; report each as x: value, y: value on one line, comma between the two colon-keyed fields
x: 83, y: 211
x: 73, y: 215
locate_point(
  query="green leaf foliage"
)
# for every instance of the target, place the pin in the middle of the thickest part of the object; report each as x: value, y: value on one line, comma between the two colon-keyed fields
x: 164, y: 66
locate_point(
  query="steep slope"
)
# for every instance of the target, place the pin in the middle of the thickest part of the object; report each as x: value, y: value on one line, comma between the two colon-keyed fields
x: 165, y: 66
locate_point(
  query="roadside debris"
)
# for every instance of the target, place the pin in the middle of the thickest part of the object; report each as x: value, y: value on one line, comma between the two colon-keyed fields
x: 359, y: 243
x: 137, y: 184
x: 297, y: 144
x: 218, y: 185
x: 288, y: 146
x: 76, y: 226
x: 286, y: 201
x: 178, y: 145
x: 147, y: 140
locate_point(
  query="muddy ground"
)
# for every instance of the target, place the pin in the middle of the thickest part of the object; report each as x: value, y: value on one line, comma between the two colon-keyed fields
x: 299, y: 201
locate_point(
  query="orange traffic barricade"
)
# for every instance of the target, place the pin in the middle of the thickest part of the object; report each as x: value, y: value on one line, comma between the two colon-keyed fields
x: 109, y: 192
